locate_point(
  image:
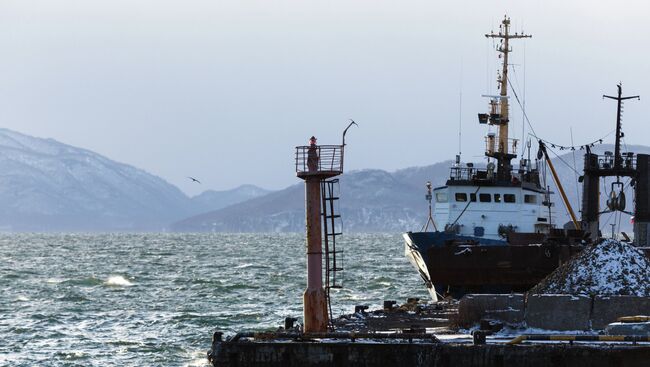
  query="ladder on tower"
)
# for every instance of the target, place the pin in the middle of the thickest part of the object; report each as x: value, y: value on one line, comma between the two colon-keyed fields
x: 332, y: 228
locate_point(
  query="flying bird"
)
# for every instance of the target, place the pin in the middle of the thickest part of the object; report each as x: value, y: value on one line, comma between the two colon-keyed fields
x: 193, y: 179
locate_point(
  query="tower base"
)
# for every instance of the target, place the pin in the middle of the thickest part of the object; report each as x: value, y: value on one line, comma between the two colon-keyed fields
x: 315, y: 310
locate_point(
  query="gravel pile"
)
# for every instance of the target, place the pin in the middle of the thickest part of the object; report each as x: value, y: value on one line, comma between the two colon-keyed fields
x: 608, y: 268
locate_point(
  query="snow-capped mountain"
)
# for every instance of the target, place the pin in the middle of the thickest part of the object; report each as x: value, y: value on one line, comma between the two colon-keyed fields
x: 47, y: 185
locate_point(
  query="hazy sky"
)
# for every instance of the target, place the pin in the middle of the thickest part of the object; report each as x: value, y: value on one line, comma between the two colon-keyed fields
x: 224, y: 90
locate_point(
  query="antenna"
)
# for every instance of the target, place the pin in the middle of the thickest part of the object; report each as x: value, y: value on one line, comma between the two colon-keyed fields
x: 460, y: 107
x: 346, y: 129
x: 528, y: 144
x: 460, y: 121
x: 523, y: 107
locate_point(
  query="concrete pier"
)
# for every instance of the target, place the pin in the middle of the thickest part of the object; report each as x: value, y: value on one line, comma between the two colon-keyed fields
x: 418, y: 334
x: 375, y: 354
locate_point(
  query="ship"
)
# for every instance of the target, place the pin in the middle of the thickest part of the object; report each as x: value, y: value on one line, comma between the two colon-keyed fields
x: 493, y: 228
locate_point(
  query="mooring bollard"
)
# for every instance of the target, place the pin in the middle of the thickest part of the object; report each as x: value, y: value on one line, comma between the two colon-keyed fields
x: 360, y: 308
x: 288, y: 322
x: 479, y: 337
x: 217, y: 336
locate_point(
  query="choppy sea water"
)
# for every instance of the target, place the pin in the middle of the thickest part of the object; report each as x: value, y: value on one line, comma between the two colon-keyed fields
x: 156, y: 299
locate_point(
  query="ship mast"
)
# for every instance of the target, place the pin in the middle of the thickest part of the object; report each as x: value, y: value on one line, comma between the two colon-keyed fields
x: 499, y: 109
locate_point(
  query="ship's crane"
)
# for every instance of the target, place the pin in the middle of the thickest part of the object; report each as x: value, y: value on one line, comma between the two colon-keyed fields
x: 556, y: 179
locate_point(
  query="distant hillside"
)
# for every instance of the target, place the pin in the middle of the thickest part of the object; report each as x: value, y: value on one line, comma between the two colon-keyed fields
x: 371, y: 200
x: 378, y: 201
x: 212, y: 200
x: 49, y: 186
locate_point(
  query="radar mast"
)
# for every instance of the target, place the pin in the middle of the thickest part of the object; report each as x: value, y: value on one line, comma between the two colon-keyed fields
x: 498, y: 146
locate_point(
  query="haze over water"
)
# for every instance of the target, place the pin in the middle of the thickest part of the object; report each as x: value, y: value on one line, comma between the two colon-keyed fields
x: 156, y: 299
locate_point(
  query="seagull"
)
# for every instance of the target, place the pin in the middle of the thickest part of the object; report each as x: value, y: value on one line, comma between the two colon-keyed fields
x: 193, y: 179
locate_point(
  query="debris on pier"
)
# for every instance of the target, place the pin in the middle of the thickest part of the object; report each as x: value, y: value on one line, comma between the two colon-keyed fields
x: 412, y: 316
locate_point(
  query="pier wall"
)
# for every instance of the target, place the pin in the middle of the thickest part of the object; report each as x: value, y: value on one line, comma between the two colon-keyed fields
x: 550, y: 311
x: 314, y: 354
x: 607, y: 309
x: 558, y: 312
x: 508, y: 308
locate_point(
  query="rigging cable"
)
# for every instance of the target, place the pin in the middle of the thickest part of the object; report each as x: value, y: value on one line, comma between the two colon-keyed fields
x: 523, y: 110
x: 562, y: 160
x: 580, y: 147
x: 534, y: 134
x: 469, y: 201
x: 574, y: 166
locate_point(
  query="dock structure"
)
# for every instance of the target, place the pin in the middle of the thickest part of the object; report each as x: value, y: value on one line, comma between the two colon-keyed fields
x: 372, y: 354
x: 416, y: 334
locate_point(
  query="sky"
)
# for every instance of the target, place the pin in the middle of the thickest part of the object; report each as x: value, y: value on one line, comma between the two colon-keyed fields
x: 224, y: 90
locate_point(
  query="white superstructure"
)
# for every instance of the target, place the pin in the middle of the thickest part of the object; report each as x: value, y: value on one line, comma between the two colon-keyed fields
x: 491, y: 212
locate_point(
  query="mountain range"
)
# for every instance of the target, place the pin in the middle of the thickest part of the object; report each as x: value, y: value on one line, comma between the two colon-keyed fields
x: 46, y: 185
x: 50, y: 186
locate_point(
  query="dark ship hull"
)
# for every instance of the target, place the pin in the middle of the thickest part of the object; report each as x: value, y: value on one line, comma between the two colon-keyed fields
x: 454, y: 265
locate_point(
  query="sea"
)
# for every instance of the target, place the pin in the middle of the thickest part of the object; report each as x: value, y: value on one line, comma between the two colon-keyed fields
x: 156, y: 299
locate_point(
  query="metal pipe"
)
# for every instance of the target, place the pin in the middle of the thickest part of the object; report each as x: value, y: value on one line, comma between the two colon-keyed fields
x: 585, y: 338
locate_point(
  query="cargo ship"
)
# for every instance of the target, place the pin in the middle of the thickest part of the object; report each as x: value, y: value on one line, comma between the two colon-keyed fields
x: 493, y: 227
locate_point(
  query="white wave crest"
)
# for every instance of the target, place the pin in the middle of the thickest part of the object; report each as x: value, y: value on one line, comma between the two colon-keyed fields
x: 118, y: 280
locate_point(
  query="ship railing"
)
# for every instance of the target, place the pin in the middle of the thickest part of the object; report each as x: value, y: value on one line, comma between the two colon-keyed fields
x: 482, y: 174
x: 463, y: 173
x: 492, y: 144
x: 606, y: 161
x: 319, y: 159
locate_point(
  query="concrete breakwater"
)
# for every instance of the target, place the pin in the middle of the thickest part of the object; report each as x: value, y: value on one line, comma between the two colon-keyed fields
x: 550, y: 311
x: 364, y: 354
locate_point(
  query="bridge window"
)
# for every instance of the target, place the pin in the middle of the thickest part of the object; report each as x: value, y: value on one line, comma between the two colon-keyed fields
x: 441, y: 197
x: 472, y: 197
x: 530, y: 199
x: 485, y: 198
x: 497, y: 198
x: 461, y: 196
x: 509, y: 198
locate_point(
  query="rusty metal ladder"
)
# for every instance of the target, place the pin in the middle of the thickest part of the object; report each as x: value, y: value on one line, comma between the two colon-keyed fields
x: 332, y: 228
